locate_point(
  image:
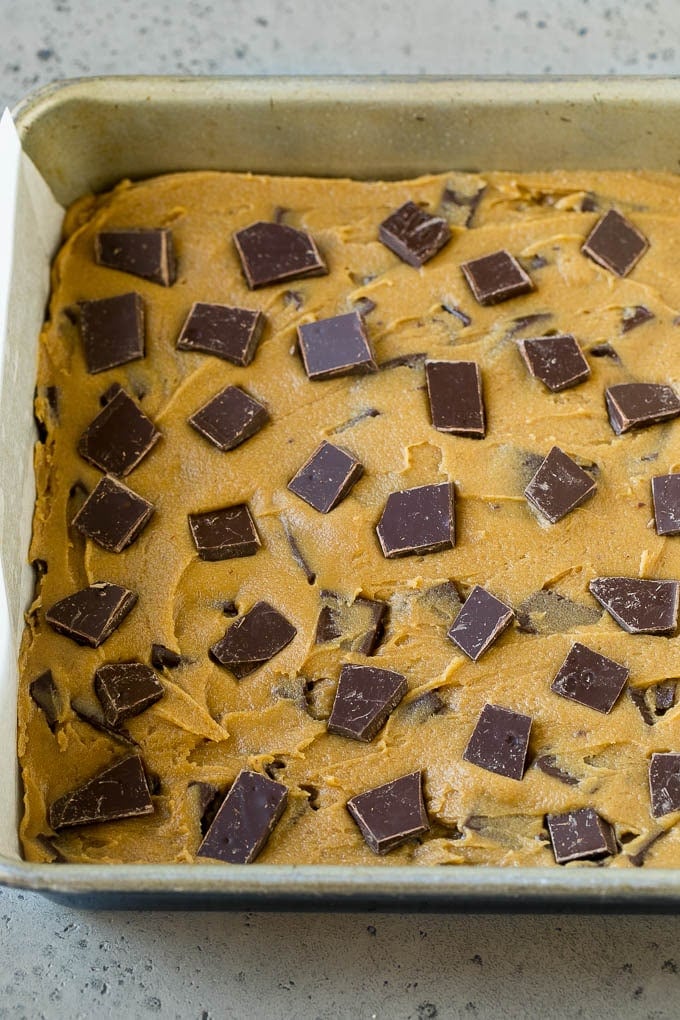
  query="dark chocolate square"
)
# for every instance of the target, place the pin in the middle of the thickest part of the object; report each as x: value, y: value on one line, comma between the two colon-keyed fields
x: 357, y: 626
x: 229, y: 418
x: 126, y: 689
x: 274, y: 252
x: 224, y: 534
x: 326, y: 478
x: 500, y: 741
x: 559, y: 486
x: 336, y: 346
x: 590, y: 678
x: 119, y: 437
x: 615, y: 243
x: 246, y: 819
x: 639, y: 605
x: 418, y: 521
x: 666, y: 498
x: 112, y: 331
x: 414, y: 234
x: 91, y: 615
x: 664, y: 783
x: 253, y: 640
x: 146, y: 253
x: 638, y: 405
x: 364, y: 698
x: 391, y: 814
x: 581, y: 835
x: 456, y: 401
x: 480, y: 622
x: 229, y: 333
x: 119, y: 791
x: 496, y: 277
x: 557, y: 361
x: 113, y: 516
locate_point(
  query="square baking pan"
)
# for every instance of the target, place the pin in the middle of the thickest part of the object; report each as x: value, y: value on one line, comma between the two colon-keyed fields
x: 85, y: 135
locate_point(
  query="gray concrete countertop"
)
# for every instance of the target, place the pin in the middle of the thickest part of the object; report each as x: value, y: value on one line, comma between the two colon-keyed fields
x: 62, y: 963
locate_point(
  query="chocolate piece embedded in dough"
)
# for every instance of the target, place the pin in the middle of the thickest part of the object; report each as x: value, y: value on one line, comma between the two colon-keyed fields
x: 113, y: 516
x: 590, y: 678
x: 557, y: 361
x: 638, y: 605
x: 391, y: 814
x: 496, y: 277
x: 456, y: 401
x: 91, y: 615
x: 163, y: 657
x: 364, y: 698
x: 253, y: 640
x: 146, y: 253
x: 581, y: 835
x: 119, y: 791
x: 229, y: 333
x: 358, y: 626
x: 245, y: 820
x: 336, y: 346
x: 112, y: 331
x: 547, y: 763
x: 500, y: 741
x: 480, y: 622
x: 664, y: 696
x: 229, y: 418
x: 418, y: 521
x: 547, y: 612
x: 638, y: 405
x: 559, y: 486
x: 89, y: 712
x: 414, y: 234
x: 327, y: 477
x: 224, y: 534
x: 666, y: 498
x: 615, y: 243
x: 125, y: 689
x: 273, y: 252
x: 119, y: 437
x: 46, y: 695
x: 634, y: 317
x: 664, y: 783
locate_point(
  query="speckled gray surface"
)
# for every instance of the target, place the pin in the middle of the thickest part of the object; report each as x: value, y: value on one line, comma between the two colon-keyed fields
x: 56, y: 962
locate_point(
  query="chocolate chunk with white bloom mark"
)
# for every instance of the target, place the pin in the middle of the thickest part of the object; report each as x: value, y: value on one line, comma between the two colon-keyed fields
x: 91, y: 713
x: 253, y: 640
x: 666, y: 497
x: 639, y: 605
x: 229, y: 418
x: 615, y: 243
x: 91, y: 615
x: 229, y: 333
x: 336, y: 346
x: 414, y: 234
x: 125, y: 689
x: 456, y: 401
x: 246, y: 819
x: 273, y: 252
x: 581, y: 835
x: 46, y: 695
x: 163, y: 657
x: 500, y: 741
x: 557, y: 361
x: 224, y: 534
x: 119, y: 437
x: 364, y: 698
x: 112, y: 331
x: 634, y: 317
x: 480, y: 622
x: 358, y: 626
x: 392, y: 814
x: 113, y: 516
x: 119, y: 791
x: 496, y: 277
x: 327, y: 477
x: 590, y: 678
x: 637, y: 405
x: 559, y: 486
x: 664, y: 696
x: 418, y: 521
x: 547, y: 764
x: 146, y: 253
x: 664, y: 783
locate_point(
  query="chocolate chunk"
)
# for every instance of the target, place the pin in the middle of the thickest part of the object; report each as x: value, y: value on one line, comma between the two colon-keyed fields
x: 230, y: 608
x: 230, y: 333
x: 164, y: 658
x: 224, y: 534
x: 294, y: 298
x: 456, y: 401
x: 496, y: 277
x: 91, y: 615
x: 664, y: 783
x: 547, y: 763
x: 414, y: 360
x: 443, y: 599
x: 548, y: 612
x: 589, y: 203
x: 146, y: 253
x: 364, y: 698
x: 390, y: 815
x: 253, y: 640
x: 480, y: 622
x: 364, y: 306
x: 119, y: 437
x: 559, y: 486
x: 581, y: 835
x: 424, y: 706
x: 113, y: 516
x: 556, y: 360
x: 590, y: 678
x: 92, y: 714
x: 336, y: 346
x: 615, y: 243
x: 522, y: 322
x: 414, y: 234
x: 358, y: 625
x: 119, y: 791
x: 273, y: 252
x: 500, y: 741
x: 638, y: 605
x: 666, y: 497
x: 125, y: 689
x: 327, y: 477
x: 664, y: 696
x: 229, y: 418
x: 637, y: 696
x: 418, y: 521
x: 639, y: 858
x: 246, y: 819
x: 370, y: 412
x: 634, y: 317
x: 297, y: 554
x: 112, y: 331
x: 460, y: 206
x: 46, y: 695
x: 605, y: 351
x: 457, y: 313
x: 637, y: 405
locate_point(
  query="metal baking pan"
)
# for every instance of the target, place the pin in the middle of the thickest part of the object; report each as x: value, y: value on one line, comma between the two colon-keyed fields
x: 87, y: 134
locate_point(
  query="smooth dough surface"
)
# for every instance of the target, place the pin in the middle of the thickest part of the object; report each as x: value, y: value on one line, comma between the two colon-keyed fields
x: 208, y: 726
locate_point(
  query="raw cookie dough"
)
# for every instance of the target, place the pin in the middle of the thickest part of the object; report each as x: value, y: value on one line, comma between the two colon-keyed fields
x: 209, y: 726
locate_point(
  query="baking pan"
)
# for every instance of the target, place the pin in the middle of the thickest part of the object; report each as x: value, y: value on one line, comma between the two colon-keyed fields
x: 87, y: 134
